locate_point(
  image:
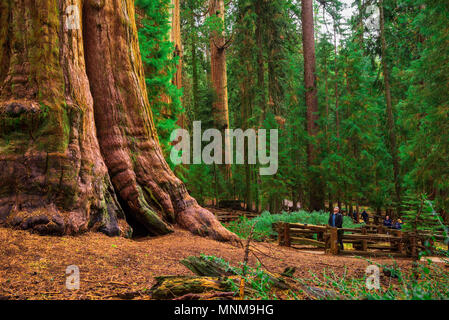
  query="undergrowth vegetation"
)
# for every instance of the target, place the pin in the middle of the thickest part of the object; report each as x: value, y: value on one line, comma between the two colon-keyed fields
x: 426, y: 280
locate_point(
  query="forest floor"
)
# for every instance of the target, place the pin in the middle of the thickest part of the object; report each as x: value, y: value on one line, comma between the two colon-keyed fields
x: 34, y: 267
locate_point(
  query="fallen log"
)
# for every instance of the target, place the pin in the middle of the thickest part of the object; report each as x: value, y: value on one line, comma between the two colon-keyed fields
x: 170, y: 287
x: 203, y: 267
x: 215, y: 296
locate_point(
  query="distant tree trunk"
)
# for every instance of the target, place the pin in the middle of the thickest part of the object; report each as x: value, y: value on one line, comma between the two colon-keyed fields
x: 390, y: 113
x: 326, y: 94
x: 175, y: 37
x: 316, y: 199
x: 194, y: 61
x: 81, y: 120
x: 260, y: 61
x: 337, y: 105
x: 219, y: 80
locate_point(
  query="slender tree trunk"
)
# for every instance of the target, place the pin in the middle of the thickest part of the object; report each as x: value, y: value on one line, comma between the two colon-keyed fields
x: 219, y: 78
x: 193, y: 43
x: 316, y: 199
x: 81, y: 120
x: 260, y: 61
x: 390, y: 112
x: 175, y: 37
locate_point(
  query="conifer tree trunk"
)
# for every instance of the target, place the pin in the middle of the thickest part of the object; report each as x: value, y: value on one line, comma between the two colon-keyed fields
x: 316, y: 199
x: 175, y: 37
x: 53, y: 178
x: 390, y: 114
x: 260, y: 60
x: 219, y: 77
x: 194, y: 61
x: 75, y: 117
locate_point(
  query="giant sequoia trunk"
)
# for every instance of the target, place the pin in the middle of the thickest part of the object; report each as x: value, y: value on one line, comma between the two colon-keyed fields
x: 78, y: 147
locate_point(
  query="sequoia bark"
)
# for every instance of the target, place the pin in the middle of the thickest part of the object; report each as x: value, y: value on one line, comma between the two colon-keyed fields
x: 75, y: 117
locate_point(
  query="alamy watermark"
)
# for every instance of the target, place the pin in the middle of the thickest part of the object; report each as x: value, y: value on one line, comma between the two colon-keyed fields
x: 213, y: 151
x: 72, y: 18
x: 72, y: 281
x: 373, y: 277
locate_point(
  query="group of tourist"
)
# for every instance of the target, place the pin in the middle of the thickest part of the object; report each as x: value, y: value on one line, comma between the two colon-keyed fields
x: 365, y: 217
x: 336, y: 221
x: 389, y: 223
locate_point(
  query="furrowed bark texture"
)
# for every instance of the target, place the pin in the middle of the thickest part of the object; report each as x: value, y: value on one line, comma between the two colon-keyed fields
x: 52, y: 177
x: 66, y: 134
x: 219, y: 80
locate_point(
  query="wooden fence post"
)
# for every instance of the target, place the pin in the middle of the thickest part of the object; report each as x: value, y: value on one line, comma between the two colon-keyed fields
x: 334, y: 247
x: 287, y: 234
x: 277, y: 227
x: 364, y: 242
x: 326, y: 238
x: 398, y: 245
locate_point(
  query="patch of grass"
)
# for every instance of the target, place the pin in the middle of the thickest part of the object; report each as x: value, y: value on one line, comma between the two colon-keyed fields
x: 424, y: 281
x: 258, y: 283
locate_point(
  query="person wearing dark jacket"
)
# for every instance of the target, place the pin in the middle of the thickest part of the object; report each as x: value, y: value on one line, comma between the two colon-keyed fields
x: 387, y: 222
x: 355, y: 217
x: 365, y: 216
x: 336, y: 221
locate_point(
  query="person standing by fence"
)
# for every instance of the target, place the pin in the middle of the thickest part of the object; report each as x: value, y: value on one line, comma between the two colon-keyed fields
x: 365, y: 216
x: 336, y: 221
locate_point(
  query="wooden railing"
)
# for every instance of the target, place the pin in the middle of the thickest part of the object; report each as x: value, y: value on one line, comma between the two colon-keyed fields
x: 299, y: 233
x: 368, y: 239
x: 233, y: 215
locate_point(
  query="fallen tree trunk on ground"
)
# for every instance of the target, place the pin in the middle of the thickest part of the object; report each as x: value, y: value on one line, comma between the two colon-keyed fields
x: 213, y: 280
x: 170, y: 287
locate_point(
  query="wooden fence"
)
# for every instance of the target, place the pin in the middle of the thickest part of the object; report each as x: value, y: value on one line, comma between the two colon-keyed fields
x: 228, y: 215
x: 366, y: 240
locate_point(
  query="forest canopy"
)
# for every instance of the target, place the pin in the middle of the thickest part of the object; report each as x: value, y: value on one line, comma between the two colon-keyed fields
x: 381, y: 88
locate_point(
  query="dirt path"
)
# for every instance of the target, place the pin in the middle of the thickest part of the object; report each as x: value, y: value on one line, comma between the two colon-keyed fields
x: 33, y: 266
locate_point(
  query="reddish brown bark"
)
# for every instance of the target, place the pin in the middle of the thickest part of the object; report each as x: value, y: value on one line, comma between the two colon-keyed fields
x: 56, y: 118
x: 175, y: 37
x: 219, y: 76
x: 52, y: 176
x: 316, y: 200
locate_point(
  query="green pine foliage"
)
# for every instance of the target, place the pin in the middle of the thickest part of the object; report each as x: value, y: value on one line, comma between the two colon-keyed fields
x: 419, y: 216
x: 160, y: 66
x: 266, y: 90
